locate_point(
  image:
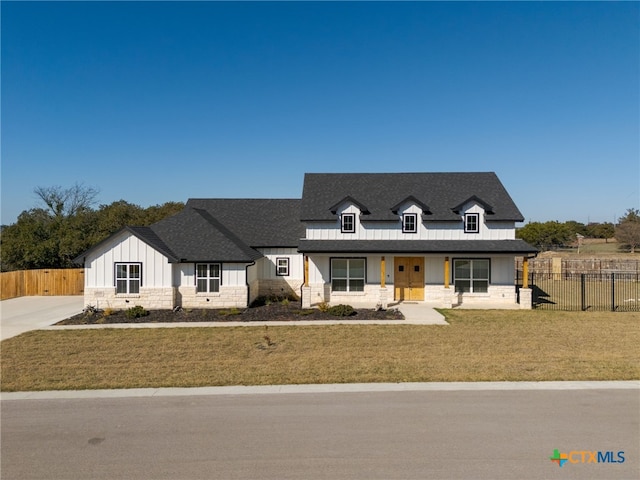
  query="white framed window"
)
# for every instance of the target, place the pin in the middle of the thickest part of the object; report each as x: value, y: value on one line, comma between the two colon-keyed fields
x: 128, y: 278
x: 471, y: 275
x: 282, y: 266
x: 471, y: 222
x: 409, y: 223
x: 208, y: 277
x: 348, y: 223
x: 348, y: 274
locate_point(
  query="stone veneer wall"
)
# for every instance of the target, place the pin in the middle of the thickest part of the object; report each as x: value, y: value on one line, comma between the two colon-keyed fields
x: 371, y: 295
x: 227, y: 297
x: 150, y: 298
x: 279, y: 287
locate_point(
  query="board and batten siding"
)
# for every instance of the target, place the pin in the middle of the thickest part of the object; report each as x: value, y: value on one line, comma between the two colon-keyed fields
x: 233, y: 274
x: 426, y: 230
x: 127, y: 248
x: 266, y: 267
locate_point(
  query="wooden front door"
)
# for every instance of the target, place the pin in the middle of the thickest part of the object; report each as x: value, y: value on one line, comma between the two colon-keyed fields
x: 408, y: 278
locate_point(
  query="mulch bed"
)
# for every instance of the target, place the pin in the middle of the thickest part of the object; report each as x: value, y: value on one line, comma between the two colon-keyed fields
x: 289, y: 312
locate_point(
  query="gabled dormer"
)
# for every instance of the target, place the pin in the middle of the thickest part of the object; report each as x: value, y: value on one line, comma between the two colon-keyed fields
x: 411, y: 212
x: 349, y: 210
x: 473, y: 211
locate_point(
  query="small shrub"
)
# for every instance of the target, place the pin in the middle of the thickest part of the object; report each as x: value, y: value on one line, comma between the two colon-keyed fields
x: 231, y: 311
x: 285, y: 302
x: 324, y: 306
x: 136, y: 312
x: 107, y: 312
x: 341, y: 311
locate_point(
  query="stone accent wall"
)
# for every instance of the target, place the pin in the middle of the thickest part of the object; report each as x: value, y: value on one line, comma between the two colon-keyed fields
x: 150, y: 298
x: 443, y: 297
x: 497, y: 294
x: 314, y: 294
x: 228, y: 297
x: 371, y: 295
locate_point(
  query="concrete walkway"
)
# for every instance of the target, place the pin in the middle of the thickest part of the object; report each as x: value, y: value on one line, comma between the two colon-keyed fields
x: 19, y: 315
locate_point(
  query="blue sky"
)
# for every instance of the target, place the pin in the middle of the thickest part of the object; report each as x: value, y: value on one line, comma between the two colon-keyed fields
x: 154, y: 102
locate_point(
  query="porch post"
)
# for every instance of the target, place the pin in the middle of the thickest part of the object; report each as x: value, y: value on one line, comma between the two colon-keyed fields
x: 446, y: 272
x: 306, y: 290
x: 306, y: 270
x: 525, y: 272
x: 384, y: 302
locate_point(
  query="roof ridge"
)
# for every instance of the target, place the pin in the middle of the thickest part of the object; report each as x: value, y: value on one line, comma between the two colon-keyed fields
x: 217, y: 224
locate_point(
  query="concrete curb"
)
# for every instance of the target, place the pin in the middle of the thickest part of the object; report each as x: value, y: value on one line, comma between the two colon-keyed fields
x: 323, y: 388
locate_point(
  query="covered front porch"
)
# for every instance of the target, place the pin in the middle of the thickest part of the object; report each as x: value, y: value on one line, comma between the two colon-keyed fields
x: 387, y: 280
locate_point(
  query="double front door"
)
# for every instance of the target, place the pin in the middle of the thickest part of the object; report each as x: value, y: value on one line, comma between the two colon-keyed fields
x: 408, y: 278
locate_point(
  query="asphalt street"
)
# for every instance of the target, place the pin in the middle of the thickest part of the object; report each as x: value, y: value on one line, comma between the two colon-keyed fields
x: 474, y: 434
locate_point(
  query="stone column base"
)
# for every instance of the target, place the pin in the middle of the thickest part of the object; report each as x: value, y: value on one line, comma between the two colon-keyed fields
x: 526, y: 299
x: 384, y: 298
x: 306, y: 297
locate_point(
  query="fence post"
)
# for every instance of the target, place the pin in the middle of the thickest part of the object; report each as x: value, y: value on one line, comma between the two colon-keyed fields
x: 613, y: 292
x: 582, y: 291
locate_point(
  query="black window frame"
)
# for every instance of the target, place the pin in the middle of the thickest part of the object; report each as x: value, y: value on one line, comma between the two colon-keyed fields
x: 467, y: 218
x: 406, y: 216
x: 128, y: 279
x: 348, y: 278
x: 208, y: 278
x: 343, y: 219
x: 287, y: 266
x: 472, y: 278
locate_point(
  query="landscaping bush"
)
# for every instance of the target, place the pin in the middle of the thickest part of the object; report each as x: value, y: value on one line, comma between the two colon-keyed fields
x: 342, y: 311
x: 136, y: 312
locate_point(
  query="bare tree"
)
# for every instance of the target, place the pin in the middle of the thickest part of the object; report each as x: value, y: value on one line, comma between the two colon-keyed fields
x: 66, y: 202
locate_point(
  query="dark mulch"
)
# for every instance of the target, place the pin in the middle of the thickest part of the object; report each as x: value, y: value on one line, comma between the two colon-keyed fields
x: 281, y: 311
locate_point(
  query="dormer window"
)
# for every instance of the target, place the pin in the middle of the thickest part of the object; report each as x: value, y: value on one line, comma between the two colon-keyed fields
x: 471, y: 223
x: 409, y: 223
x: 348, y: 223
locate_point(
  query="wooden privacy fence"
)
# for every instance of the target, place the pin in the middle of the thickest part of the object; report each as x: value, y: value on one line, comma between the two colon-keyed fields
x: 48, y: 281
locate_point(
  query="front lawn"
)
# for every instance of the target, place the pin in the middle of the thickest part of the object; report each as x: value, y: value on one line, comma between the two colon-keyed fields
x: 489, y: 345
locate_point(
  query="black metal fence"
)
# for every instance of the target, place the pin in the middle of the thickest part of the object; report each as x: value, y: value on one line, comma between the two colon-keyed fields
x: 616, y: 292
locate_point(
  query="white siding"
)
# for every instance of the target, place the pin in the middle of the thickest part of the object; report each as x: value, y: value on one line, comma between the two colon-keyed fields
x: 426, y: 230
x: 267, y: 265
x: 100, y: 265
x: 233, y: 274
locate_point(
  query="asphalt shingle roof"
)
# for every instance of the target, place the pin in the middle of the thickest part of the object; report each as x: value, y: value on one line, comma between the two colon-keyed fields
x: 380, y: 193
x: 416, y: 246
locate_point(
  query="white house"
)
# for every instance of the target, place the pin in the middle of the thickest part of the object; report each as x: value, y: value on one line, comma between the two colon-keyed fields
x: 375, y: 238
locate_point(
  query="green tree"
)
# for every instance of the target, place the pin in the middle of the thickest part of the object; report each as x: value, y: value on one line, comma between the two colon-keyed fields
x: 600, y: 230
x: 546, y: 235
x: 628, y: 229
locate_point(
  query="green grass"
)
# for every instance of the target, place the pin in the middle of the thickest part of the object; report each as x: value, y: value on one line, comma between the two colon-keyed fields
x: 478, y: 345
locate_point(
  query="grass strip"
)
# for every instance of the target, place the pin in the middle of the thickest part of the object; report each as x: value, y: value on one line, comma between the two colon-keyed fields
x: 489, y: 345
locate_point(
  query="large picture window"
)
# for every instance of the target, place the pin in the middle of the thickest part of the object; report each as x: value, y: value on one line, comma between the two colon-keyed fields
x: 347, y: 274
x: 128, y: 278
x: 471, y: 275
x: 208, y: 277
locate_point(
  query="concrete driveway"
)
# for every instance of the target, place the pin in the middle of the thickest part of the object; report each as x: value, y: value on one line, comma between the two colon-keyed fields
x: 19, y: 315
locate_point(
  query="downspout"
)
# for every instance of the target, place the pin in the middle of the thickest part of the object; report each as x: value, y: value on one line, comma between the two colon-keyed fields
x: 246, y: 281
